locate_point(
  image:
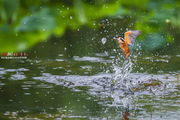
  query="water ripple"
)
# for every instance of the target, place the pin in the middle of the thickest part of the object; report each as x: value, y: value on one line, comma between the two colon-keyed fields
x: 17, y: 77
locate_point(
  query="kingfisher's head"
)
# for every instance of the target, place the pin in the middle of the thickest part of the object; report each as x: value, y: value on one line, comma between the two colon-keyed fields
x: 117, y: 37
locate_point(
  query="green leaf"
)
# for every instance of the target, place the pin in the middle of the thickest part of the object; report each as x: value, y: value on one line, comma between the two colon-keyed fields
x: 40, y: 21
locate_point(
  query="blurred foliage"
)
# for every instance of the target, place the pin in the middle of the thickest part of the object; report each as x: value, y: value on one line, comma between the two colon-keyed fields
x: 23, y: 23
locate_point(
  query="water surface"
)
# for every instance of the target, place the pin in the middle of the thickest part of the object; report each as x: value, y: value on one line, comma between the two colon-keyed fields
x: 99, y: 86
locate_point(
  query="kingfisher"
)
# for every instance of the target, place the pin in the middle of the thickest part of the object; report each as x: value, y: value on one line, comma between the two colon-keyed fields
x: 127, y: 40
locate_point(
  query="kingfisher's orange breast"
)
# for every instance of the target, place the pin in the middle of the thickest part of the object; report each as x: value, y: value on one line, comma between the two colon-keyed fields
x: 124, y: 47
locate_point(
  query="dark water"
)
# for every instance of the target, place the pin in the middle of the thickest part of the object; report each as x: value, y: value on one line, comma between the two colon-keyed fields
x: 66, y: 78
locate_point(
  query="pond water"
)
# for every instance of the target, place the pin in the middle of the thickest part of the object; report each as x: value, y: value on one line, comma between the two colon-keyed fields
x: 82, y: 77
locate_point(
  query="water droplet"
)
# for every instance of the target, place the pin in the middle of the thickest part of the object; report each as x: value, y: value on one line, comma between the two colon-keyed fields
x: 44, y: 29
x: 27, y: 93
x: 103, y: 40
x: 24, y: 22
x: 70, y: 17
x: 67, y: 8
x: 141, y: 68
x: 114, y: 24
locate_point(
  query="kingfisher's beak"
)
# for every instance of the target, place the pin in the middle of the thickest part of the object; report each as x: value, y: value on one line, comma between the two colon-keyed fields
x: 115, y: 38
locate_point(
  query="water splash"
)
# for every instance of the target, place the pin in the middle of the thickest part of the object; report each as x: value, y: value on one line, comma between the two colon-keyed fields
x: 122, y: 70
x: 123, y: 80
x: 123, y: 67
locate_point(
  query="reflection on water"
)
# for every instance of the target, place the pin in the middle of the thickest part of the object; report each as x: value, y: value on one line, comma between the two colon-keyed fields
x: 102, y: 86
